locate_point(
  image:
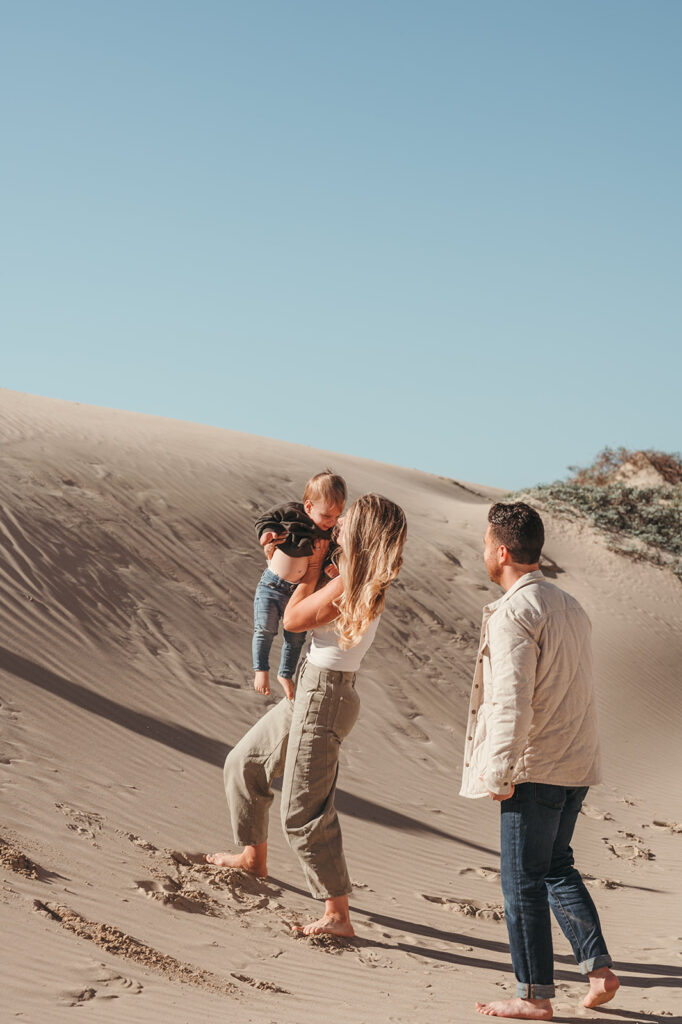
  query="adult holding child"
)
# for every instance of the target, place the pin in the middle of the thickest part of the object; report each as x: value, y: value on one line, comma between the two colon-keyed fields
x: 301, y: 739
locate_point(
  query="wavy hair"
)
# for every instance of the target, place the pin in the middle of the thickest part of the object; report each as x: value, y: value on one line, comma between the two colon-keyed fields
x: 374, y: 531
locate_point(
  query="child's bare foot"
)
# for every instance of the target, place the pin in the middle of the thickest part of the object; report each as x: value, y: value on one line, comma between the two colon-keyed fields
x: 261, y: 683
x: 287, y: 685
x: 603, y: 986
x: 252, y: 859
x: 519, y: 1009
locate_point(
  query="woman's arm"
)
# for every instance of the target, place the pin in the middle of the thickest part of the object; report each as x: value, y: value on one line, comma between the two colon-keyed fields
x: 308, y: 607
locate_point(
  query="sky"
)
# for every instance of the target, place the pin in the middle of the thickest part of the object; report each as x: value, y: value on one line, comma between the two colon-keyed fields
x: 445, y: 235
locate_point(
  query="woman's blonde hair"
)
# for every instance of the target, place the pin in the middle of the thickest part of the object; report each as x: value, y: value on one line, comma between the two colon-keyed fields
x: 374, y: 531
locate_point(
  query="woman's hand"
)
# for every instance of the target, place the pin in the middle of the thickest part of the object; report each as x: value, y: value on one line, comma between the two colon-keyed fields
x: 312, y: 573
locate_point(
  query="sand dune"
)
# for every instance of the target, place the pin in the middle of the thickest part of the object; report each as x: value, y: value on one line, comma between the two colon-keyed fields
x: 126, y: 580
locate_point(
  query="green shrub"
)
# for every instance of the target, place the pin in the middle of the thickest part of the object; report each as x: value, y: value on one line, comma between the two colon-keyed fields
x: 642, y: 522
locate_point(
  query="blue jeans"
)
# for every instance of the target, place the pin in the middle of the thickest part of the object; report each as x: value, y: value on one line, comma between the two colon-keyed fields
x: 536, y: 827
x: 272, y: 596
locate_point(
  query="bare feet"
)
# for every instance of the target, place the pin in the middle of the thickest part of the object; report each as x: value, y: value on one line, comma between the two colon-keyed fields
x: 252, y: 859
x: 261, y: 683
x: 334, y: 921
x: 287, y: 685
x: 328, y: 925
x: 520, y: 1009
x: 603, y: 986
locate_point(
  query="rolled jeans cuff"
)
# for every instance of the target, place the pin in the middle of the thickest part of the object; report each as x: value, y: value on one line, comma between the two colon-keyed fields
x: 534, y: 991
x: 595, y: 962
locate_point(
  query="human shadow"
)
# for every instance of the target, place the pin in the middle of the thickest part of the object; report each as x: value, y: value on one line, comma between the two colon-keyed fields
x: 177, y: 737
x: 638, y: 1015
x: 663, y: 975
x: 195, y: 744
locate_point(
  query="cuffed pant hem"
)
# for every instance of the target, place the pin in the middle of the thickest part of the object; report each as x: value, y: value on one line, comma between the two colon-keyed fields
x: 327, y: 895
x: 595, y: 962
x: 534, y: 991
x: 240, y: 840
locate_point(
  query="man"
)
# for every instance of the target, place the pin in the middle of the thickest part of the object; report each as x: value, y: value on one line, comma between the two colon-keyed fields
x: 532, y: 745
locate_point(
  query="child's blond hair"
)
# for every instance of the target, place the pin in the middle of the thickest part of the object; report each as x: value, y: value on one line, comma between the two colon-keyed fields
x: 326, y: 486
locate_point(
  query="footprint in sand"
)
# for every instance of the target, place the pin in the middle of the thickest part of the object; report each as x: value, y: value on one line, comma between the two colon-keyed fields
x: 107, y: 985
x: 669, y: 826
x: 468, y: 908
x: 137, y: 841
x: 171, y: 893
x: 591, y: 812
x: 601, y: 883
x: 628, y: 847
x: 232, y: 890
x: 490, y: 874
x: 85, y: 823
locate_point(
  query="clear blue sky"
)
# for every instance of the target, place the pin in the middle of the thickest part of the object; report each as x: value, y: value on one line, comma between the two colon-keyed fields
x: 437, y: 233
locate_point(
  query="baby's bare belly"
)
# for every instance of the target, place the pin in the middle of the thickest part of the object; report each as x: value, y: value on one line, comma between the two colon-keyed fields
x: 288, y: 567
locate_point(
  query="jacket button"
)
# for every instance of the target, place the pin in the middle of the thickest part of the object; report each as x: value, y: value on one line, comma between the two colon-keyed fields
x: 466, y: 765
x: 470, y: 737
x: 474, y: 711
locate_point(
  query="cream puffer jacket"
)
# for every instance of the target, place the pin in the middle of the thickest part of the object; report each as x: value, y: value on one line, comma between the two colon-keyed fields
x: 532, y: 715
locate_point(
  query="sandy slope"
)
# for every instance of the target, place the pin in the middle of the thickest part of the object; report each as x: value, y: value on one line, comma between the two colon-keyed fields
x: 126, y: 578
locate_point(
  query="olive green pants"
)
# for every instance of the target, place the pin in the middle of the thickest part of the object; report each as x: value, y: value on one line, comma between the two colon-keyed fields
x: 299, y: 740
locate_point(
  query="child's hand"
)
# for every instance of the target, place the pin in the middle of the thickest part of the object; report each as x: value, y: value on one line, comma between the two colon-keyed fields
x: 331, y: 571
x: 270, y: 540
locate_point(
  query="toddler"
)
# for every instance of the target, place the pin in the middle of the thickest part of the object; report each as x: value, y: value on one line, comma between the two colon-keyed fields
x: 288, y: 534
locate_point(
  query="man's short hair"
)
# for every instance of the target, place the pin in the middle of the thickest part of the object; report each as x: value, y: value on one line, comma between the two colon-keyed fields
x: 519, y: 527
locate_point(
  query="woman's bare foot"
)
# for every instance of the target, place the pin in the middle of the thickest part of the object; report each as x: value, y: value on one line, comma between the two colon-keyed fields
x: 261, y: 683
x: 519, y: 1009
x: 603, y: 986
x: 334, y: 921
x: 287, y: 685
x: 252, y: 859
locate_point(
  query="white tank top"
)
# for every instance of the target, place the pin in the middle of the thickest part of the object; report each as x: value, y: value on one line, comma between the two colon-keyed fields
x: 326, y: 653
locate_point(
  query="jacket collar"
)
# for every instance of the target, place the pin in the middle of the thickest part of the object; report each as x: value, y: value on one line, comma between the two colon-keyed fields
x: 535, y: 576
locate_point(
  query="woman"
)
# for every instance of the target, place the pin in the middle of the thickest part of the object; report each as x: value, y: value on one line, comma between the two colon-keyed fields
x: 301, y: 739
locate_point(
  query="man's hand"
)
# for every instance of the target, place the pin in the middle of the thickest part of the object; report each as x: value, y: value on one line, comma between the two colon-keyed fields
x: 501, y: 796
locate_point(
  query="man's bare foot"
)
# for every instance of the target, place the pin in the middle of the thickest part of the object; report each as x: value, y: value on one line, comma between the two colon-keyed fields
x: 252, y: 859
x: 261, y: 683
x: 603, y: 986
x: 519, y: 1009
x: 334, y: 921
x: 287, y: 685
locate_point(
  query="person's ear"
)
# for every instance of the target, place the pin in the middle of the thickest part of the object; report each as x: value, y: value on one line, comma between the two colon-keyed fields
x: 503, y: 554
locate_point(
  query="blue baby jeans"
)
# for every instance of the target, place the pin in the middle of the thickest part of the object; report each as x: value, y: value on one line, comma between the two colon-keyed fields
x: 272, y: 596
x: 537, y: 871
